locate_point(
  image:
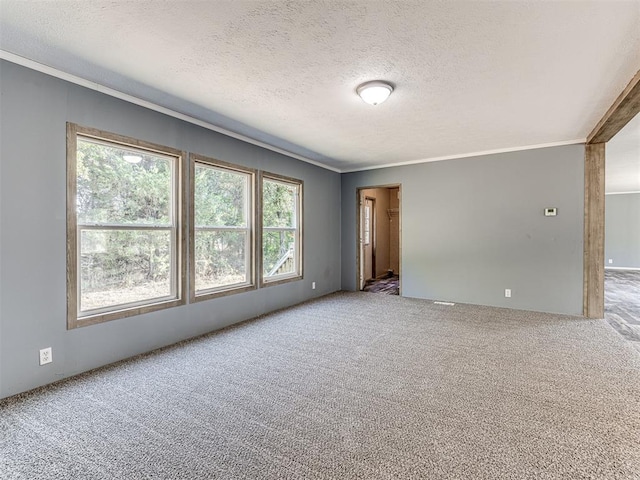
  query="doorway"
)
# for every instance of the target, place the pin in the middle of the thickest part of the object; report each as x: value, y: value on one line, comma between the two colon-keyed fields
x: 622, y: 232
x: 621, y: 112
x: 378, y: 222
x: 369, y: 239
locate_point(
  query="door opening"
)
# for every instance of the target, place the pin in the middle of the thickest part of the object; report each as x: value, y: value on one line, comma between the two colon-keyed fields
x: 622, y: 232
x: 369, y: 238
x: 378, y: 239
x: 624, y: 108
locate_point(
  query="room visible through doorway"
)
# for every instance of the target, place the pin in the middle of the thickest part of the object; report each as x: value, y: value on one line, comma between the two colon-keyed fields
x: 622, y: 232
x: 378, y: 223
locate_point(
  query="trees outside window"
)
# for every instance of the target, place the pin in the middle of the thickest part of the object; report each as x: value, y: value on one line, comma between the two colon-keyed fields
x: 127, y: 241
x: 222, y: 233
x: 281, y: 216
x: 124, y: 246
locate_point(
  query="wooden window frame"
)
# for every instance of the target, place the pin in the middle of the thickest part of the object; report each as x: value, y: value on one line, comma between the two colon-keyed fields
x: 216, y: 292
x: 299, y: 230
x: 74, y: 317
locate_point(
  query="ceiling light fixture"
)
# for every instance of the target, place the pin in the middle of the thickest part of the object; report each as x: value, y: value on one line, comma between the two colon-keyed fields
x: 374, y: 92
x: 132, y: 158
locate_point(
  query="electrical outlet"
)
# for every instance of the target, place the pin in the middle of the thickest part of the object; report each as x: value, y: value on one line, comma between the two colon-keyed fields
x: 46, y: 356
x: 313, y: 285
x: 507, y: 292
x: 611, y: 260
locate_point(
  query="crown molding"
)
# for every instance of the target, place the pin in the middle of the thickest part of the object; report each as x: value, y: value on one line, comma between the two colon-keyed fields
x: 54, y: 72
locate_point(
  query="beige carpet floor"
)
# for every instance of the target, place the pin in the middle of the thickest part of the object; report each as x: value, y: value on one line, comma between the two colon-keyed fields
x: 352, y: 385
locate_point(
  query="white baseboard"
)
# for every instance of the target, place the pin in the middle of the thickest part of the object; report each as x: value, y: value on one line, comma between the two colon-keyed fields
x: 622, y: 268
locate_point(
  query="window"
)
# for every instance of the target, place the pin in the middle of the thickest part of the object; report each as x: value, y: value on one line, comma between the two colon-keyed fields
x: 222, y: 233
x: 124, y: 244
x: 281, y: 215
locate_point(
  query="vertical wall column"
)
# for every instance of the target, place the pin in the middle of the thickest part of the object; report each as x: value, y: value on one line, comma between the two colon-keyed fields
x: 593, y: 306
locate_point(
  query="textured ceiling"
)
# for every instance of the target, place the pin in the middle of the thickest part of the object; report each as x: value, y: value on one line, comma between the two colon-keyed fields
x: 470, y: 76
x: 623, y: 160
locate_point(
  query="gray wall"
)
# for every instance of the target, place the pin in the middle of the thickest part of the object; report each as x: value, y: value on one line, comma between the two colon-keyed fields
x: 33, y: 114
x: 622, y: 230
x: 472, y: 227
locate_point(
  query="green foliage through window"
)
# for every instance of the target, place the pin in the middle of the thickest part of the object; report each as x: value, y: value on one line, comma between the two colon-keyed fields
x: 280, y: 229
x: 222, y: 235
x: 125, y: 225
x: 115, y: 191
x: 126, y: 242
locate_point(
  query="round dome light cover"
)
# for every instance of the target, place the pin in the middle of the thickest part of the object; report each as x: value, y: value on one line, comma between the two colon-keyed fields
x: 374, y: 92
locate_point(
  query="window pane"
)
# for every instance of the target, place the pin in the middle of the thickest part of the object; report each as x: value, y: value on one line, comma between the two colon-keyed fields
x: 279, y: 204
x: 124, y: 266
x: 120, y: 186
x: 220, y: 197
x: 278, y: 252
x: 220, y: 258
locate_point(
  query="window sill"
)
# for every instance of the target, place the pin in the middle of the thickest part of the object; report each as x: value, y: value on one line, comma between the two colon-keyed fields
x: 221, y: 292
x: 77, y: 322
x: 280, y: 280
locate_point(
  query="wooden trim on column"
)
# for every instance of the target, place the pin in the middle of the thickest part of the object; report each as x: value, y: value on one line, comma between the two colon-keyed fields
x: 623, y: 110
x: 593, y: 298
x: 626, y: 106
